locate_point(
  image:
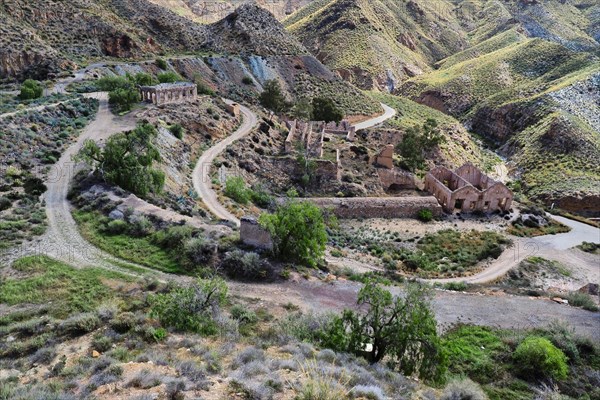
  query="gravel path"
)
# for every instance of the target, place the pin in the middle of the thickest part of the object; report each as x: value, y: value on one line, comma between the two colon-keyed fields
x: 63, y: 241
x: 201, y: 175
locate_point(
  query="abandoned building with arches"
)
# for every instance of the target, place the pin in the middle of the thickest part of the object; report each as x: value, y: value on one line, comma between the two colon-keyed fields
x: 169, y: 93
x: 467, y: 189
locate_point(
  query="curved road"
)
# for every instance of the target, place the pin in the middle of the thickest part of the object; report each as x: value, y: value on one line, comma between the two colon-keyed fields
x: 201, y: 175
x: 64, y: 242
x: 548, y: 246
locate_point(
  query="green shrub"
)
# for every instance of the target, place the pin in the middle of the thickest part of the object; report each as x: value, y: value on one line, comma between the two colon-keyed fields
x: 261, y: 197
x: 235, y: 189
x: 242, y: 265
x: 456, y: 286
x: 590, y: 247
x: 299, y: 232
x: 538, y: 358
x: 160, y: 63
x: 173, y: 237
x: 80, y: 324
x: 203, y: 88
x: 101, y: 343
x: 425, y: 215
x: 198, y: 251
x: 191, y: 308
x: 117, y: 227
x: 246, y: 80
x: 31, y: 89
x: 168, y: 77
x: 143, y: 79
x: 110, y: 83
x: 34, y: 186
x: 123, y: 99
x: 140, y: 226
x: 177, y: 130
x: 5, y: 203
x: 582, y: 300
x: 243, y: 315
x: 123, y: 322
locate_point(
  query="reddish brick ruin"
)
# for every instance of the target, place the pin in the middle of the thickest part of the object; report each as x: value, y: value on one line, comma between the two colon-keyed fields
x: 467, y: 189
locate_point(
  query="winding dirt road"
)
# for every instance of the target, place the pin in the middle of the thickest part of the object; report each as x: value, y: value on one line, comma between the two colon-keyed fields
x: 201, y: 175
x: 64, y: 242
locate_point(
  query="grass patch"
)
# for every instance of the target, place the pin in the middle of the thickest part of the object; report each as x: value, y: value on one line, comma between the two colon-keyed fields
x: 553, y: 228
x: 63, y: 287
x: 139, y: 250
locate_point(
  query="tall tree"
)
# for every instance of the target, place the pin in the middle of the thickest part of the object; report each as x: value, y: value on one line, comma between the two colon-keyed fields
x: 272, y: 97
x: 417, y: 142
x: 402, y: 328
x: 324, y: 109
x: 127, y: 160
x: 299, y: 232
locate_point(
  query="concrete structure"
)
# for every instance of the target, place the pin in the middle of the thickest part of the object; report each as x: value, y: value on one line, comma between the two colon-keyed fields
x: 252, y: 234
x: 378, y: 207
x: 169, y: 93
x: 385, y: 158
x: 233, y: 109
x: 396, y: 179
x: 467, y: 189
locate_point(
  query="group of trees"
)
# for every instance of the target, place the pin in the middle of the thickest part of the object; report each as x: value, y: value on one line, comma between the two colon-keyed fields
x: 417, y: 142
x: 127, y: 160
x: 123, y: 92
x: 317, y: 109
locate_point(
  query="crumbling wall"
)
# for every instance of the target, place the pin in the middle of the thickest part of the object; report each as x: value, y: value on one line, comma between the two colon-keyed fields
x: 379, y: 207
x: 252, y: 234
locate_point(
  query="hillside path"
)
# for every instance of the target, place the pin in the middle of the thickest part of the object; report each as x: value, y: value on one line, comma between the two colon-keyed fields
x: 201, y: 174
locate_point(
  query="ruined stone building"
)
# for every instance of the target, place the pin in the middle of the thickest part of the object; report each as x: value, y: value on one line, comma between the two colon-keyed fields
x: 169, y: 93
x: 467, y: 189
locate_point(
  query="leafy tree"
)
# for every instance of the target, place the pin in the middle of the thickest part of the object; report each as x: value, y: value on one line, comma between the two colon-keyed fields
x: 31, y: 89
x: 416, y: 142
x: 191, y: 308
x: 303, y: 109
x: 34, y: 186
x: 324, y: 109
x: 143, y: 79
x: 298, y: 230
x: 537, y: 358
x: 247, y: 80
x: 127, y: 160
x: 110, y: 83
x: 272, y: 97
x: 402, y: 328
x: 168, y: 77
x: 123, y: 99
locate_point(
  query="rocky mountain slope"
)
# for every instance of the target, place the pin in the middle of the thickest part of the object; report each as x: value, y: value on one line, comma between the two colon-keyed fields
x: 212, y: 11
x: 351, y: 36
x: 538, y: 101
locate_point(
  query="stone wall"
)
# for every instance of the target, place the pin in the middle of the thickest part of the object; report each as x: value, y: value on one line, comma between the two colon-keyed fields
x: 379, y: 207
x: 252, y: 234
